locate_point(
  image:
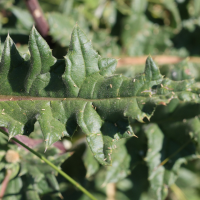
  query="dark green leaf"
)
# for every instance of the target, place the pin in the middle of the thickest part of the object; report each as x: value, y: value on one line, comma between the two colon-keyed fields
x: 80, y: 91
x: 91, y: 164
x: 14, y: 187
x: 175, y: 146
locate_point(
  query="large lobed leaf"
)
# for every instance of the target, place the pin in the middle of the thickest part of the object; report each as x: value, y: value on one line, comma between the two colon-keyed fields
x: 79, y: 90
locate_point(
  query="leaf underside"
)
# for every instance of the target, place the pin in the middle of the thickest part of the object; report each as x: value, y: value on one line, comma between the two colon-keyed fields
x: 80, y: 91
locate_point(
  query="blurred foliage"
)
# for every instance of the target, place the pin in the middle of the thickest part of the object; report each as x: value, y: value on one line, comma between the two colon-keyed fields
x: 30, y: 178
x: 117, y: 28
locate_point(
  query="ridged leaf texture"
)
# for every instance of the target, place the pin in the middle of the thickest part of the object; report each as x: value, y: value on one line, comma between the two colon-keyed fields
x: 80, y: 91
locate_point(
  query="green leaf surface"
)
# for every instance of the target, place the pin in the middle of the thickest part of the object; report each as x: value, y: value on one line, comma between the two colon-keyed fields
x: 181, y: 71
x: 23, y: 16
x: 173, y: 144
x: 171, y: 6
x: 80, y: 91
x: 120, y: 165
x: 196, y: 7
x: 31, y: 193
x: 60, y: 28
x: 14, y: 186
x: 38, y: 178
x: 13, y: 31
x: 91, y: 164
x: 3, y: 140
x: 142, y: 37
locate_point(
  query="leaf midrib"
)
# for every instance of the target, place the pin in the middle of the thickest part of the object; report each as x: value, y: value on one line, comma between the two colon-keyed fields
x: 25, y: 98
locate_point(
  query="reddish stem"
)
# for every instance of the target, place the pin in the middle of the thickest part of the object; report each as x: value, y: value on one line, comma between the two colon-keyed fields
x: 38, y: 16
x: 5, y: 183
x: 160, y: 59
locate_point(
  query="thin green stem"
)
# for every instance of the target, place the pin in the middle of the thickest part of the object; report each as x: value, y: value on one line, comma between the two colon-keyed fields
x: 178, y: 192
x: 172, y: 155
x: 54, y: 167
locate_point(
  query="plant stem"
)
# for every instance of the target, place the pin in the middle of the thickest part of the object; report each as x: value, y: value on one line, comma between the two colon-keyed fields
x: 160, y: 59
x: 178, y: 192
x: 38, y: 16
x: 111, y: 191
x: 5, y: 183
x: 54, y: 167
x: 177, y: 151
